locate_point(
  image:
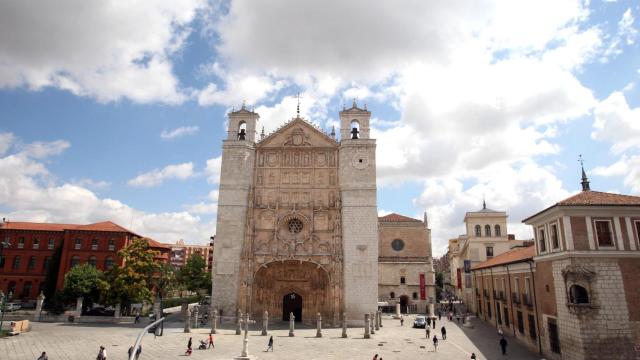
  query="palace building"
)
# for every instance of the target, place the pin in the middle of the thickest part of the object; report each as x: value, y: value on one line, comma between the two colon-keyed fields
x: 297, y: 223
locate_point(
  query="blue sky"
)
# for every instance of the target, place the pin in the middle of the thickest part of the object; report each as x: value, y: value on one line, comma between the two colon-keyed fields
x: 118, y: 112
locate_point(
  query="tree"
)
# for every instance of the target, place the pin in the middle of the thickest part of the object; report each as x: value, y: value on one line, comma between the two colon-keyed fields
x: 132, y: 282
x: 194, y: 275
x: 164, y: 280
x: 439, y: 284
x: 82, y: 281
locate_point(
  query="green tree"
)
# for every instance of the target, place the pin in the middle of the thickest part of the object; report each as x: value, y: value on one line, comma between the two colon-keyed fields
x: 439, y: 285
x: 82, y: 281
x: 164, y: 280
x: 133, y: 281
x: 194, y: 275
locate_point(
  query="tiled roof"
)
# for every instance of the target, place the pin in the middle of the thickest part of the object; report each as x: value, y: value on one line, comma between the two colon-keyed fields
x: 21, y: 225
x: 594, y: 198
x: 511, y: 256
x: 155, y: 244
x: 393, y: 217
x: 103, y: 226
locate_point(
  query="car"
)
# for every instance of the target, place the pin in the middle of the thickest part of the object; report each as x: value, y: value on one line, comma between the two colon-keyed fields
x: 12, y: 306
x: 420, y: 322
x: 100, y: 311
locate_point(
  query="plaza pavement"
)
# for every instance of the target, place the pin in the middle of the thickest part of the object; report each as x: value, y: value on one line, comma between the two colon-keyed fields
x: 75, y: 342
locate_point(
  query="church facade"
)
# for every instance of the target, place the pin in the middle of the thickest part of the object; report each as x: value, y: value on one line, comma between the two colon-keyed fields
x: 297, y: 225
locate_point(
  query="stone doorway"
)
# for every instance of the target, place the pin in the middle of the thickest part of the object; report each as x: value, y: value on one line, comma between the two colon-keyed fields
x: 404, y: 302
x: 292, y: 303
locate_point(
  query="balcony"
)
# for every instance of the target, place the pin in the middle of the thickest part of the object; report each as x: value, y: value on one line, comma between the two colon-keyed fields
x: 526, y: 299
x: 515, y: 298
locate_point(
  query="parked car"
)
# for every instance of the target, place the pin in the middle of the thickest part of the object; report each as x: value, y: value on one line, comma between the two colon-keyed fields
x: 420, y: 322
x: 100, y: 311
x: 12, y: 306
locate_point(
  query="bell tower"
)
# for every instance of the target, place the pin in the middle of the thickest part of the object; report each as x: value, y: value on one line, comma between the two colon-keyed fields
x: 359, y: 212
x: 243, y: 125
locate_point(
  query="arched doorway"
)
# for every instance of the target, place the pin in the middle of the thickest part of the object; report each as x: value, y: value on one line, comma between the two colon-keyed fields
x: 292, y: 303
x: 404, y: 302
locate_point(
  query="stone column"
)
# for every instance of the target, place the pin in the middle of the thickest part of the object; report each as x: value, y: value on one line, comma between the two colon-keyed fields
x: 397, y: 310
x: 265, y: 322
x: 373, y: 326
x: 367, y: 335
x: 319, y: 326
x: 196, y: 310
x: 183, y: 309
x: 187, y: 321
x: 117, y: 311
x: 292, y: 318
x: 239, y: 323
x: 214, y: 322
x: 344, y: 324
x: 39, y: 302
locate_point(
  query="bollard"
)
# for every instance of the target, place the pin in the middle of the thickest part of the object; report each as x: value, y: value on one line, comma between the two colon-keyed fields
x: 265, y: 322
x: 187, y: 321
x: 319, y: 326
x: 214, y: 321
x: 380, y: 318
x: 239, y: 323
x: 367, y: 335
x: 291, y: 320
x: 344, y: 324
x: 373, y: 326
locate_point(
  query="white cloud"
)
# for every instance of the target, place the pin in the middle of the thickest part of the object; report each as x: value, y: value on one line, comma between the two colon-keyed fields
x: 212, y: 170
x: 627, y: 167
x: 625, y: 28
x: 104, y: 50
x: 91, y: 184
x: 239, y: 88
x: 202, y: 208
x: 158, y: 176
x: 179, y: 132
x: 6, y: 141
x: 40, y: 150
x: 617, y: 123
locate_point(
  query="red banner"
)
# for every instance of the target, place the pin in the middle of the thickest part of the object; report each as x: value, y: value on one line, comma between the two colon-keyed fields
x: 423, y: 295
x: 459, y: 282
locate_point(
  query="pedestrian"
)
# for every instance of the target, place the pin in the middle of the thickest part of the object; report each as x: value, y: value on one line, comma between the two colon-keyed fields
x: 138, y: 352
x: 401, y: 321
x: 43, y: 356
x: 473, y: 356
x: 137, y: 319
x: 130, y: 351
x: 433, y: 320
x: 189, y: 350
x: 102, y: 354
x: 435, y: 343
x: 428, y: 331
x: 211, y: 341
x: 458, y: 318
x: 375, y: 357
x: 503, y: 345
x: 500, y: 331
x: 443, y: 331
x: 270, y: 344
x: 439, y: 315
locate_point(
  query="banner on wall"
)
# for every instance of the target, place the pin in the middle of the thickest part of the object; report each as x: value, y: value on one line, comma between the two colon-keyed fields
x: 459, y: 278
x: 423, y: 295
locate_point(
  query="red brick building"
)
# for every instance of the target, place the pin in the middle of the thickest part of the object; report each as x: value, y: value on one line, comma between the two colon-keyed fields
x: 27, y: 259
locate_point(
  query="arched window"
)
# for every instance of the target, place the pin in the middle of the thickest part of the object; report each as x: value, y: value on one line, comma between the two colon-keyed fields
x: 242, y: 130
x: 578, y: 295
x: 497, y: 230
x: 16, y: 262
x: 108, y: 263
x: 75, y: 261
x: 11, y: 289
x: 478, y: 230
x: 355, y: 129
x: 94, y: 244
x: 403, y: 280
x: 392, y: 295
x: 26, y: 289
x: 415, y: 296
x: 487, y: 230
x: 92, y: 261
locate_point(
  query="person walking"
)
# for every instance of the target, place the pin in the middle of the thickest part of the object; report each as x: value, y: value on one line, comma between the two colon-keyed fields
x: 458, y: 318
x: 473, y: 356
x: 211, y: 345
x: 439, y: 315
x: 137, y: 319
x: 428, y: 331
x: 401, y: 320
x: 270, y: 344
x: 435, y: 343
x: 102, y: 354
x: 189, y: 350
x: 43, y: 356
x: 443, y: 331
x: 138, y: 352
x: 503, y: 345
x: 129, y: 352
x: 375, y: 357
x: 433, y: 320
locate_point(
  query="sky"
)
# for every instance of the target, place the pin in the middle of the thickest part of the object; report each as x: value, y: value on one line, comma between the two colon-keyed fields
x: 114, y: 110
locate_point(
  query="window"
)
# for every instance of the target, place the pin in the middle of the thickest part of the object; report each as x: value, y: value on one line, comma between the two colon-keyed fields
x: 520, y: 322
x: 397, y: 244
x: 498, y: 314
x: 75, y: 261
x: 555, y: 243
x: 541, y: 241
x: 506, y: 317
x: 637, y: 223
x: 603, y: 233
x: 46, y: 263
x: 36, y: 243
x: 487, y: 230
x: 20, y: 243
x: 497, y: 230
x: 112, y: 244
x: 532, y: 326
x: 2, y: 262
x: 489, y: 310
x: 32, y: 263
x: 554, y: 339
x: 402, y: 280
x: 94, y: 244
x: 489, y: 250
x: 78, y: 244
x: 478, y: 230
x: 415, y: 296
x: 16, y: 262
x: 392, y: 295
x: 52, y: 244
x: 578, y: 295
x: 108, y: 263
x: 11, y: 289
x: 295, y: 226
x: 26, y: 289
x: 92, y: 261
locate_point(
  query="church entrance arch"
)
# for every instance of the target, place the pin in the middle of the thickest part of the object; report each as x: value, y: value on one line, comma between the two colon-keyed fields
x: 404, y: 302
x: 301, y: 287
x: 292, y: 303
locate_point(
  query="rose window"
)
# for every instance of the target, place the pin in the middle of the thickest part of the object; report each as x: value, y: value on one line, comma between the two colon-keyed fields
x: 295, y: 226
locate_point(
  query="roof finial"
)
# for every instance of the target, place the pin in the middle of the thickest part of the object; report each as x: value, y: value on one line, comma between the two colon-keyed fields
x: 333, y: 131
x: 426, y: 220
x: 365, y: 106
x: 585, y: 180
x: 244, y: 102
x: 484, y: 203
x: 354, y: 105
x: 298, y: 107
x: 262, y: 134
